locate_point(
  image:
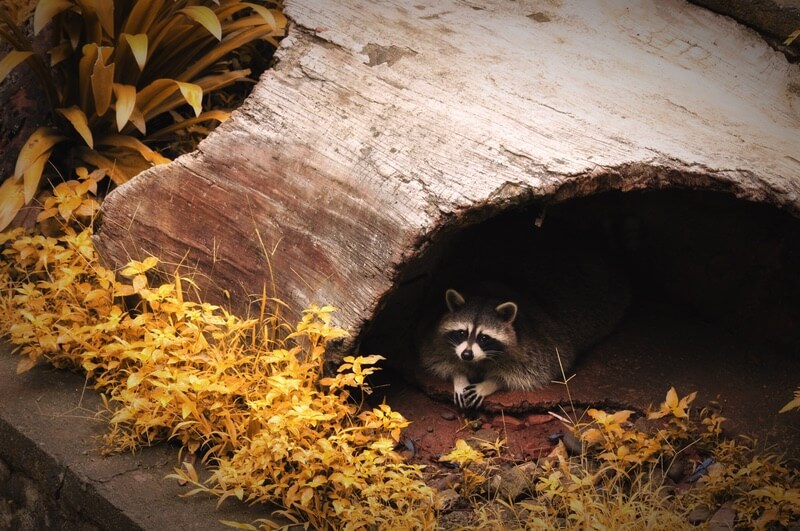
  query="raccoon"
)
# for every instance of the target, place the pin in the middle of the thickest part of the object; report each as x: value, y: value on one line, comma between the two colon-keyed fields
x: 485, y: 344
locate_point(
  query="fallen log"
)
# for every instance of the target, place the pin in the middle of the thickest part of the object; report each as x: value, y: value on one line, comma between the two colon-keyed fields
x: 387, y: 129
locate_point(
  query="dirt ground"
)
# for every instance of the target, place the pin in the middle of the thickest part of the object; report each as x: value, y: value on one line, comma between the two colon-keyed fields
x: 653, y: 349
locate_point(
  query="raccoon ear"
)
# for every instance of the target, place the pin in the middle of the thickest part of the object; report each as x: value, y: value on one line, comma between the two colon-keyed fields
x: 454, y: 299
x: 507, y: 311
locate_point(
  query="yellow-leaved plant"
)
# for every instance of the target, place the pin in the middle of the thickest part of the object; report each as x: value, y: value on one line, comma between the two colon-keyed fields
x: 118, y: 78
x: 248, y: 395
x: 793, y: 404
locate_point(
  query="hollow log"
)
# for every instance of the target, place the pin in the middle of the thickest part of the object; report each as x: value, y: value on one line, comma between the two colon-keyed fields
x: 386, y: 129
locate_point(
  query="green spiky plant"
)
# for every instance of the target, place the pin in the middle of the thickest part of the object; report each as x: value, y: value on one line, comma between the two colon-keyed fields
x: 116, y: 76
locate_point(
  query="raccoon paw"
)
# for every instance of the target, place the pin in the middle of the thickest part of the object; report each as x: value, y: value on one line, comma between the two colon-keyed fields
x: 469, y: 398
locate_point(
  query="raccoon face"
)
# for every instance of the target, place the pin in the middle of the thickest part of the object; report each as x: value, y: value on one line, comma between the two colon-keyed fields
x: 478, y: 329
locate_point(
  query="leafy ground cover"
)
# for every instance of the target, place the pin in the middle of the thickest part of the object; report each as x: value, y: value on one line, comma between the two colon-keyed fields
x: 670, y: 468
x: 248, y: 395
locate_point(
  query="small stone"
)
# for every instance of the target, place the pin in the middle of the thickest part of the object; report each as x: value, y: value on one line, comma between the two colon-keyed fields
x: 723, y: 519
x: 450, y: 500
x: 675, y: 472
x: 448, y: 415
x: 474, y: 424
x: 530, y: 469
x: 448, y: 481
x: 715, y: 469
x: 507, y: 422
x: 661, y: 483
x: 514, y: 482
x: 429, y: 429
x: 573, y: 445
x: 701, y: 513
x: 535, y: 420
x: 523, y: 515
x: 483, y: 436
x: 648, y: 426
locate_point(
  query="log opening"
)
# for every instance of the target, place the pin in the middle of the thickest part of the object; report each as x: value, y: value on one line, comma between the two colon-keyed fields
x: 702, y: 256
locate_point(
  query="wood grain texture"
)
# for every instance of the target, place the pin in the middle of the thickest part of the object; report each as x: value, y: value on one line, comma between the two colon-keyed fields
x: 386, y: 122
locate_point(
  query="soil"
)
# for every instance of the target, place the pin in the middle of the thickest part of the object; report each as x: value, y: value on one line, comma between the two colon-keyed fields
x: 655, y: 348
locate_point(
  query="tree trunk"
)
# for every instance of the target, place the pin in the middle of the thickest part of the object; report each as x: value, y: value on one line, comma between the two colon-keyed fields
x: 386, y: 128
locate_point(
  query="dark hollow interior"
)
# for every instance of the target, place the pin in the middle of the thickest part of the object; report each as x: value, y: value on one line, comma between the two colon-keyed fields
x: 705, y: 256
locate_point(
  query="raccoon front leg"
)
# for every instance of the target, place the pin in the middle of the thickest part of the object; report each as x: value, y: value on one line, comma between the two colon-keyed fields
x: 460, y: 384
x: 470, y: 396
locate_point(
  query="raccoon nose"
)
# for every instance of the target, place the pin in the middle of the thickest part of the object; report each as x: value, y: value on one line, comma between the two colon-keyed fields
x: 467, y: 355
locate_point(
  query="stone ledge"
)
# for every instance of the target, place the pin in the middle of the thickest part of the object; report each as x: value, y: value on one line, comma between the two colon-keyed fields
x: 52, y: 475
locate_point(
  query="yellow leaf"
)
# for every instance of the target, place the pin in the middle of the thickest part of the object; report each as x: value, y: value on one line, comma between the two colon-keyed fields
x: 87, y: 208
x: 11, y: 200
x: 137, y: 119
x: 240, y: 525
x: 125, y: 103
x: 190, y: 471
x: 134, y: 379
x: 193, y: 94
x: 33, y: 175
x: 118, y: 174
x: 133, y: 144
x: 672, y: 398
x: 11, y: 60
x: 139, y: 283
x: 794, y: 404
x: 221, y: 80
x: 462, y: 454
x: 60, y: 52
x: 46, y: 10
x: 219, y: 116
x: 41, y: 141
x: 153, y: 94
x: 306, y: 495
x: 123, y: 290
x: 25, y: 364
x: 47, y: 213
x: 206, y: 17
x: 105, y: 14
x: 265, y: 13
x: 89, y: 55
x: 68, y: 206
x: 142, y: 15
x: 102, y: 83
x: 78, y: 120
x: 94, y: 295
x: 792, y: 37
x: 225, y: 47
x: 591, y: 435
x: 138, y: 45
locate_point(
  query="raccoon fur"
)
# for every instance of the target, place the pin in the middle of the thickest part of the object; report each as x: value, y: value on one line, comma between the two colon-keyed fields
x: 485, y: 343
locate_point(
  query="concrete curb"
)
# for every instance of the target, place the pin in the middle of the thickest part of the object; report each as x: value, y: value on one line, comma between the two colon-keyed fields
x: 52, y: 475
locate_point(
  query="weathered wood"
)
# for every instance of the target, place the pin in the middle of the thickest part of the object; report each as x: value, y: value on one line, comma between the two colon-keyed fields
x: 775, y: 20
x: 385, y: 123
